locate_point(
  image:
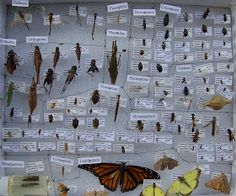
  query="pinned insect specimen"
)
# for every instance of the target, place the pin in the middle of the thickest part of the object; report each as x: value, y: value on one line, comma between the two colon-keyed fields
x: 205, y: 56
x: 165, y: 163
x: 144, y: 24
x: 194, y: 124
x: 78, y: 52
x: 166, y: 20
x: 141, y: 52
x: 186, y: 16
x: 185, y: 32
x: 123, y: 149
x: 144, y: 42
x: 158, y: 126
x: 140, y: 66
x: 70, y: 77
x: 50, y: 118
x: 75, y: 123
x: 22, y: 16
x: 9, y: 93
x: 96, y: 193
x: 11, y: 113
x: 203, y: 43
x: 204, y: 28
x: 186, y: 91
x: 163, y: 45
x: 93, y: 67
x: 75, y: 101
x: 78, y: 20
x: 214, y: 126
x: 50, y: 18
x: 224, y: 17
x: 32, y: 100
x: 48, y: 80
x: 95, y: 123
x: 224, y: 31
x: 12, y: 61
x: 219, y: 183
x: 231, y: 135
x: 117, y: 107
x: 62, y: 189
x: 179, y: 129
x: 196, y: 136
x: 184, y: 80
x: 167, y: 34
x: 65, y: 150
x: 94, y: 24
x: 95, y: 97
x: 57, y: 136
x: 217, y: 102
x: 159, y: 67
x: 140, y: 125
x: 113, y: 63
x: 63, y: 168
x: 37, y: 62
x: 205, y: 14
x: 56, y: 57
x: 172, y: 118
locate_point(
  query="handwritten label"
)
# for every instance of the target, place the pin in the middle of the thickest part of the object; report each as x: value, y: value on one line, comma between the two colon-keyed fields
x: 138, y: 79
x: 37, y: 39
x: 33, y: 167
x: 116, y: 33
x: 143, y: 116
x: 117, y: 7
x: 225, y: 92
x: 170, y: 8
x: 144, y: 12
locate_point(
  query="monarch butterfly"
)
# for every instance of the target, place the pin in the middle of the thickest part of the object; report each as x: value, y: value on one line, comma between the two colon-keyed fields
x: 129, y: 177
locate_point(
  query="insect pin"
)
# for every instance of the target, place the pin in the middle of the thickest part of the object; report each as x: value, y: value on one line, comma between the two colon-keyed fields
x: 139, y: 125
x: 48, y: 80
x: 70, y: 77
x: 12, y: 61
x: 230, y: 135
x: 195, y: 136
x: 205, y: 14
x: 93, y: 67
x: 166, y: 20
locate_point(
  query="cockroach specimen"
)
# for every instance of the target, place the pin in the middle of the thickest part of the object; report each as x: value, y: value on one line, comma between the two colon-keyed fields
x: 158, y: 126
x: 231, y: 136
x: 32, y: 100
x: 139, y: 125
x: 22, y: 16
x: 93, y: 67
x: 172, y: 118
x: 78, y: 15
x: 204, y: 28
x: 166, y: 20
x: 214, y: 127
x: 123, y: 149
x: 205, y: 14
x: 75, y: 123
x: 95, y: 97
x: 11, y: 113
x: 196, y: 136
x: 50, y: 118
x: 50, y: 18
x: 163, y: 45
x: 48, y: 80
x: 186, y: 16
x: 144, y: 24
x: 185, y: 32
x: 78, y: 52
x: 224, y: 31
x: 159, y: 67
x: 140, y: 66
x: 9, y: 94
x: 12, y: 61
x: 37, y: 62
x: 94, y: 24
x: 117, y: 107
x: 70, y: 77
x: 56, y: 57
x: 224, y: 17
x: 193, y: 122
x: 167, y: 34
x: 95, y: 123
x: 113, y: 63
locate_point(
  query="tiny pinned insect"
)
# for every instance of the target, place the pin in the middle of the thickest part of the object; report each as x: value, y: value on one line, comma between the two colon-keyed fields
x: 50, y: 118
x: 11, y: 113
x: 76, y: 101
x: 140, y: 66
x: 195, y: 136
x: 50, y: 18
x: 95, y: 123
x: 186, y: 91
x: 123, y: 149
x: 22, y: 16
x: 144, y: 42
x: 95, y: 97
x: 204, y: 28
x: 193, y: 122
x: 144, y: 24
x: 205, y: 56
x: 78, y: 52
x: 65, y: 149
x: 214, y: 126
x: 224, y: 31
x: 159, y: 67
x: 186, y: 16
x: 185, y: 32
x: 231, y: 136
x: 163, y: 45
x: 117, y: 107
x: 166, y: 20
x: 167, y: 34
x: 140, y: 125
x: 56, y: 57
x: 224, y: 17
x: 75, y: 123
x: 172, y: 118
x: 93, y: 67
x: 70, y: 77
x: 141, y: 52
x: 179, y: 129
x: 158, y: 126
x: 205, y: 14
x: 48, y: 80
x: 94, y: 24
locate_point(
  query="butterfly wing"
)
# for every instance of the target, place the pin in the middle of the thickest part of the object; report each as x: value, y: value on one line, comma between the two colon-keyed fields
x: 108, y: 173
x: 152, y: 190
x: 174, y: 188
x: 96, y: 193
x: 134, y: 175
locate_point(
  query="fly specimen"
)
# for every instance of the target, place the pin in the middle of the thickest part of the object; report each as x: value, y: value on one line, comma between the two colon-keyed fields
x: 93, y: 67
x: 78, y: 20
x: 32, y: 100
x: 37, y: 62
x: 48, y: 80
x: 12, y: 61
x: 214, y: 126
x: 113, y: 63
x: 56, y: 57
x: 117, y: 107
x: 70, y: 77
x: 50, y: 18
x: 22, y: 16
x: 94, y: 24
x: 231, y: 136
x: 78, y: 52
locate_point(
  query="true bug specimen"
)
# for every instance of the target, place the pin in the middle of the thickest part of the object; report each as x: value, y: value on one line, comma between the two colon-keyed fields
x: 144, y: 24
x: 204, y: 28
x: 95, y: 123
x: 140, y: 66
x: 48, y: 80
x: 186, y: 16
x: 172, y: 118
x: 205, y: 14
x: 70, y: 77
x: 140, y: 125
x: 158, y: 126
x: 75, y: 123
x: 95, y: 97
x: 196, y: 136
x: 93, y: 67
x: 123, y: 149
x: 185, y: 32
x: 94, y: 24
x: 214, y: 126
x: 166, y: 20
x: 186, y: 91
x: 113, y: 63
x: 224, y: 17
x: 224, y: 31
x: 193, y: 122
x: 167, y: 34
x: 159, y: 67
x: 12, y: 61
x: 117, y: 107
x: 163, y: 45
x: 50, y: 118
x: 11, y: 113
x: 230, y: 135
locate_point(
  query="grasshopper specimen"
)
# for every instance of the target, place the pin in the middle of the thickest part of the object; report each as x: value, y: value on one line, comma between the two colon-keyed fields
x: 70, y: 77
x: 113, y: 63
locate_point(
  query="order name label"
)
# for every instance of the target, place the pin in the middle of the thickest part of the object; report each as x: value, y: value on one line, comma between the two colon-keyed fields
x: 117, y: 7
x: 89, y: 160
x: 37, y: 39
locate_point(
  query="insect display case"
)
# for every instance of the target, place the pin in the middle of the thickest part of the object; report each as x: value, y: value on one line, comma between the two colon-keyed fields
x: 129, y: 98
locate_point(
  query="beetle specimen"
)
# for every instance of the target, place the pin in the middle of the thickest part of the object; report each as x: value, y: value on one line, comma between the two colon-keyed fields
x: 50, y: 118
x: 144, y: 42
x: 231, y: 136
x: 139, y: 125
x: 224, y: 31
x: 70, y: 77
x: 158, y: 126
x: 186, y: 16
x: 214, y: 126
x: 141, y: 52
x: 166, y: 20
x: 95, y: 97
x: 193, y: 122
x: 123, y: 149
x: 196, y: 136
x: 117, y: 107
x: 185, y: 32
x: 224, y: 17
x: 204, y: 28
x: 50, y: 18
x: 56, y: 57
x: 167, y: 34
x: 173, y: 118
x: 11, y: 113
x: 144, y: 24
x: 94, y: 24
x: 140, y: 66
x: 113, y: 63
x: 95, y: 123
x: 32, y: 100
x: 9, y: 94
x: 12, y: 61
x: 186, y: 91
x: 163, y: 45
x: 78, y: 52
x: 93, y: 67
x: 205, y: 14
x: 48, y: 80
x: 37, y: 62
x: 75, y: 123
x: 159, y: 67
x: 22, y: 16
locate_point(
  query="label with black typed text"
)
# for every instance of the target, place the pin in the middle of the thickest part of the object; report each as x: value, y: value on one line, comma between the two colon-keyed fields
x: 117, y: 7
x: 116, y: 33
x: 8, y: 42
x: 89, y: 160
x: 20, y: 3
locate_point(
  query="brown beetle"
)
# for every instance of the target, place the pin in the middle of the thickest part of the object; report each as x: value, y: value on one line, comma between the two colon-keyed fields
x: 75, y: 122
x: 95, y: 97
x: 95, y: 123
x: 139, y: 125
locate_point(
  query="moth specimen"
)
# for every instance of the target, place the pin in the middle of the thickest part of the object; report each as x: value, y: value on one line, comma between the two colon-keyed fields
x: 166, y: 163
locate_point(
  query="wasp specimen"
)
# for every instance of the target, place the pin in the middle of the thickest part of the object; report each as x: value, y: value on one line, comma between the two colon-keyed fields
x: 214, y: 126
x: 113, y: 63
x: 93, y: 67
x: 95, y: 123
x: 48, y: 80
x: 117, y: 107
x: 139, y: 125
x: 196, y: 136
x: 12, y: 61
x: 231, y: 136
x: 94, y: 24
x: 70, y: 77
x: 166, y: 20
x: 22, y: 16
x: 205, y: 14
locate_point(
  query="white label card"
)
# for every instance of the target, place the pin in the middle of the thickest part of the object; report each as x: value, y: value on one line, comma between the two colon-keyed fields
x: 8, y: 42
x: 203, y: 69
x: 144, y: 12
x: 126, y: 137
x: 12, y: 164
x: 20, y: 3
x: 46, y: 146
x: 89, y: 160
x: 138, y: 79
x: 56, y: 20
x: 116, y: 33
x: 82, y: 11
x: 85, y: 147
x: 225, y: 92
x: 62, y: 160
x: 37, y: 39
x: 170, y: 8
x: 117, y: 7
x: 34, y: 167
x: 108, y: 88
